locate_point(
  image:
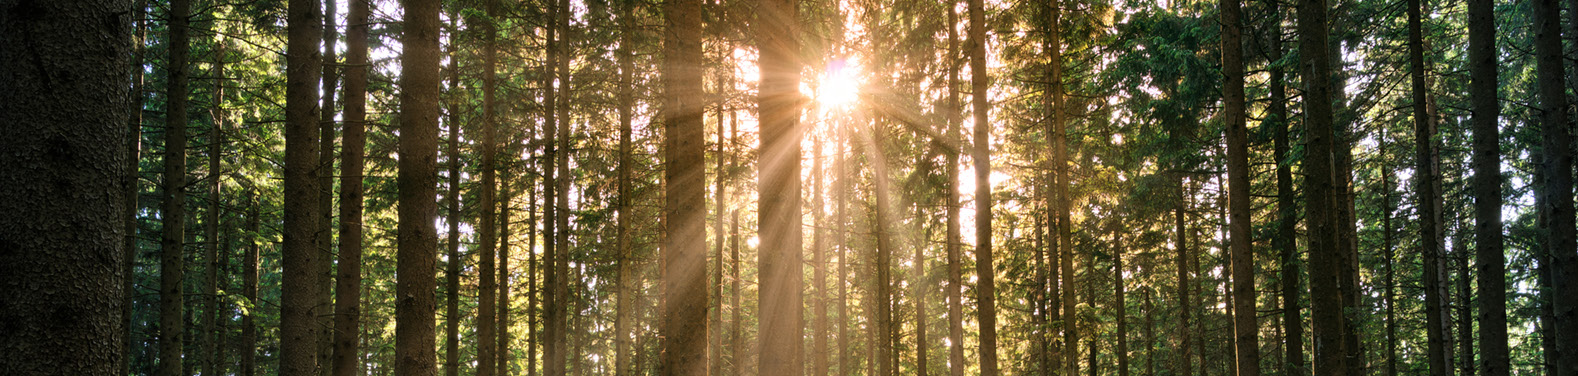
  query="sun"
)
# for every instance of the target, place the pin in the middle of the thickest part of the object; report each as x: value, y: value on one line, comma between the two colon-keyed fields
x: 839, y: 84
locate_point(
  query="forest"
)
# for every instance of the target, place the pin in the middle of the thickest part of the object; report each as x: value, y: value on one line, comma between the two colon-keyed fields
x: 788, y: 187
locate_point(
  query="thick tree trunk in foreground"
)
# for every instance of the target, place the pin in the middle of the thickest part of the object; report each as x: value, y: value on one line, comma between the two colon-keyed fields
x: 1489, y: 247
x: 65, y: 109
x: 683, y: 326
x: 1246, y: 327
x: 172, y: 242
x: 1557, y: 167
x: 779, y: 260
x: 986, y: 298
x: 1320, y: 192
x: 298, y: 303
x: 417, y: 182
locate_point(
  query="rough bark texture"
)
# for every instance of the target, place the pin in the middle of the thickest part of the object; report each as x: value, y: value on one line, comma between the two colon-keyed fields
x: 1246, y: 327
x: 1557, y: 167
x: 779, y: 258
x: 487, y: 229
x: 64, y: 100
x: 1320, y: 191
x: 172, y: 241
x: 955, y: 258
x: 684, y: 282
x: 1428, y: 200
x: 986, y: 292
x: 627, y: 272
x: 415, y: 353
x: 298, y: 303
x: 348, y: 282
x: 1489, y: 247
x: 325, y: 174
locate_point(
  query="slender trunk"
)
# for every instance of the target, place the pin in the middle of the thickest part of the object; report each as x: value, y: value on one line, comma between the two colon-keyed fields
x: 1185, y: 347
x: 532, y: 262
x: 736, y: 337
x: 1490, y: 251
x: 1119, y: 305
x: 1285, y: 241
x: 300, y: 256
x: 1062, y: 240
x: 561, y: 265
x: 505, y: 197
x: 1389, y: 252
x: 64, y: 104
x: 955, y: 262
x: 325, y: 174
x: 415, y: 353
x: 249, y: 290
x: 454, y: 262
x: 683, y: 326
x: 840, y: 200
x: 553, y: 351
x: 1557, y: 166
x: 1246, y: 327
x: 1465, y: 306
x: 208, y: 340
x: 172, y: 269
x: 1150, y: 328
x: 882, y: 320
x: 715, y: 338
x: 1429, y: 200
x: 986, y: 293
x: 627, y: 277
x: 819, y: 261
x: 487, y: 231
x: 348, y: 284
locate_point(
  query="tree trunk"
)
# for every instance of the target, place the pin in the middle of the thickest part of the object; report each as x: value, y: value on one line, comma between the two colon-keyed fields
x: 1118, y: 303
x: 1181, y: 261
x: 553, y: 354
x: 1246, y: 327
x: 325, y: 174
x: 300, y: 254
x: 779, y: 257
x: 1429, y: 200
x: 172, y: 269
x: 505, y: 200
x: 208, y: 342
x: 1285, y: 241
x: 882, y: 285
x: 249, y: 290
x: 1488, y: 241
x: 986, y: 293
x: 1062, y: 239
x: 1390, y: 298
x: 627, y: 278
x: 1557, y: 166
x: 714, y: 337
x: 417, y: 182
x: 954, y: 243
x: 65, y: 107
x: 684, y: 324
x: 819, y: 261
x: 532, y: 262
x: 840, y: 199
x: 736, y: 337
x: 348, y: 284
x: 561, y: 264
x: 487, y: 231
x: 454, y: 262
x: 1320, y: 191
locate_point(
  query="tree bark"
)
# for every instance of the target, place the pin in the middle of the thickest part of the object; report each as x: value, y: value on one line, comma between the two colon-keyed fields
x: 348, y: 285
x: 1490, y: 251
x: 1389, y: 253
x: 249, y: 290
x: 1285, y: 240
x: 684, y: 324
x: 779, y: 257
x: 172, y: 243
x: 627, y: 278
x: 209, y: 338
x: 882, y: 285
x: 819, y: 351
x: 1320, y: 191
x: 986, y: 293
x: 1429, y: 200
x: 417, y: 182
x: 300, y: 256
x: 955, y: 259
x: 325, y: 174
x: 487, y: 230
x: 1119, y: 304
x: 454, y: 262
x: 65, y: 106
x: 1246, y: 327
x: 553, y: 354
x: 1557, y: 166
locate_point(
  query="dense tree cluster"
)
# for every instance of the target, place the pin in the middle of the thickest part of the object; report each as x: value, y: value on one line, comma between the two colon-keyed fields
x: 788, y: 187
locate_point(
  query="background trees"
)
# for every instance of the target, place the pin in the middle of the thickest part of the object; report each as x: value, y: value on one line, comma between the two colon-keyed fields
x: 1132, y: 164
